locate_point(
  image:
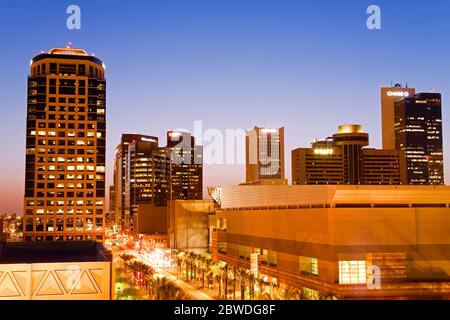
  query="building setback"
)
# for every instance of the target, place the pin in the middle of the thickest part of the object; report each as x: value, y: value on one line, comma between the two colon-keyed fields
x: 418, y: 134
x: 65, y: 147
x: 344, y: 159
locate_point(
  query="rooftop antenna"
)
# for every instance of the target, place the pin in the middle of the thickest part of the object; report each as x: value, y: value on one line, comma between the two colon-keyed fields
x: 69, y: 45
x: 264, y: 119
x: 407, y: 85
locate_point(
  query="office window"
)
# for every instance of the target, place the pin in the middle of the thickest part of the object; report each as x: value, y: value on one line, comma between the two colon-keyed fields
x: 309, y: 266
x: 352, y: 272
x: 272, y: 257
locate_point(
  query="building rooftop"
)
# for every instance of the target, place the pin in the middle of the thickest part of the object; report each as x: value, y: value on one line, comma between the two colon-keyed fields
x: 233, y: 197
x: 67, y: 53
x: 56, y: 252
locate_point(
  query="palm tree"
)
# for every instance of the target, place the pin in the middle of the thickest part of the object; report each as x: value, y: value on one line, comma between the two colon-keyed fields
x: 160, y: 287
x: 243, y: 276
x: 180, y: 261
x: 261, y: 284
x: 252, y: 280
x: 232, y: 277
x: 225, y: 272
x: 300, y: 294
x: 203, y: 268
x: 192, y: 257
x: 127, y: 258
x: 217, y: 276
x: 288, y: 293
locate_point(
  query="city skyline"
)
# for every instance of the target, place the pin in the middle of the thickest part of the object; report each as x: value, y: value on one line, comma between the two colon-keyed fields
x: 278, y: 70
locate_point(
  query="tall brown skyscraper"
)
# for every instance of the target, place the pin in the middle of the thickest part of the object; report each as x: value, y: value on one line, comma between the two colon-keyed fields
x: 65, y: 147
x: 264, y: 155
x: 388, y: 98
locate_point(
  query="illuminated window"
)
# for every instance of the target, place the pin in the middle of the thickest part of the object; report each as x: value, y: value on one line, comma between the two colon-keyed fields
x: 352, y: 272
x: 309, y: 266
x: 101, y: 169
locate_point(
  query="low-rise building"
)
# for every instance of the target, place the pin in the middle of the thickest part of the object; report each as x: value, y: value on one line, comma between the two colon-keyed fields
x: 65, y: 270
x: 347, y: 242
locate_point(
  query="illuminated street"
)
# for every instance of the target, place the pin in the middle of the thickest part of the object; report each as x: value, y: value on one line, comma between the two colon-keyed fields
x: 186, y: 287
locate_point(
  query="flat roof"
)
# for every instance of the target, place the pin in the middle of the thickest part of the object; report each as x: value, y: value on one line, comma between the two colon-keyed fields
x: 293, y: 195
x: 51, y: 252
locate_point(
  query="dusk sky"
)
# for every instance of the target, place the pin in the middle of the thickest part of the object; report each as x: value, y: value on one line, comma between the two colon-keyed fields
x: 307, y: 65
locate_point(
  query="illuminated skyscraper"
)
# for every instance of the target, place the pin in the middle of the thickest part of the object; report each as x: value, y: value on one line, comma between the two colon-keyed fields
x: 185, y: 172
x: 148, y: 174
x: 388, y: 98
x: 146, y: 177
x: 264, y: 154
x: 418, y: 133
x: 120, y: 167
x: 65, y: 147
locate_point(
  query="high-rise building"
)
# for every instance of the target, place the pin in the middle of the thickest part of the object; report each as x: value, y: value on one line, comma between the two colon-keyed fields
x: 119, y: 173
x: 343, y: 159
x: 65, y: 147
x: 418, y: 133
x: 351, y: 139
x: 185, y: 167
x: 151, y: 175
x: 388, y: 98
x: 264, y: 154
x: 111, y: 214
x: 146, y: 177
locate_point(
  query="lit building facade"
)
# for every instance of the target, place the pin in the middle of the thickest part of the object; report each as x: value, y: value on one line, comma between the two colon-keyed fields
x: 146, y: 177
x: 120, y: 166
x: 329, y: 241
x: 388, y: 98
x: 153, y: 175
x: 185, y: 171
x: 264, y: 154
x: 65, y: 147
x: 418, y: 134
x: 344, y: 159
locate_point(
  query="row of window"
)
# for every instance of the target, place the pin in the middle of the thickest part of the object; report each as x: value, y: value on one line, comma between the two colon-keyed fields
x: 67, y: 160
x: 68, y: 168
x: 98, y: 237
x: 350, y: 272
x: 60, y: 212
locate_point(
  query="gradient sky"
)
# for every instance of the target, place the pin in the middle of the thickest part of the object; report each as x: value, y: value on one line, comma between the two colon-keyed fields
x: 307, y: 65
